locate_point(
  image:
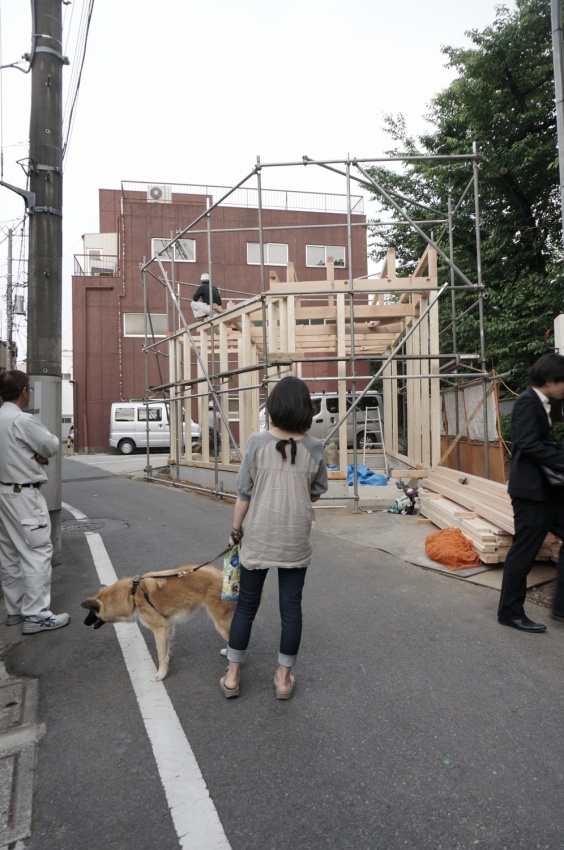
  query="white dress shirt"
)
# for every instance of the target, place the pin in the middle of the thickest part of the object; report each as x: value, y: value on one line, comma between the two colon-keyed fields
x: 546, y: 403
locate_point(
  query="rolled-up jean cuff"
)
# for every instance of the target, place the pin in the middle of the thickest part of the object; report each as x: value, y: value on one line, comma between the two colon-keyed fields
x: 236, y: 655
x: 284, y: 660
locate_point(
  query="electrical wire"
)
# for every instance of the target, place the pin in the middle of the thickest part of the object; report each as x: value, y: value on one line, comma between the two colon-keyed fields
x: 78, y: 35
x: 75, y: 91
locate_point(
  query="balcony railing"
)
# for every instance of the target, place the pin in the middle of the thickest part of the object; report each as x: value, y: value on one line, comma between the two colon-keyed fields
x: 248, y: 197
x: 96, y: 265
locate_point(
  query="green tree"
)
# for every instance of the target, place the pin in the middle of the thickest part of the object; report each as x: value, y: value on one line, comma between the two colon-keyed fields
x: 502, y: 98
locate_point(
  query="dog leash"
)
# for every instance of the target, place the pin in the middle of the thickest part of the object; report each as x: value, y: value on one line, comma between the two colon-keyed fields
x: 181, y: 574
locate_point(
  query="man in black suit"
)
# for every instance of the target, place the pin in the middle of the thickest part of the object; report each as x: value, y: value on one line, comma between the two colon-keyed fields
x: 538, y: 507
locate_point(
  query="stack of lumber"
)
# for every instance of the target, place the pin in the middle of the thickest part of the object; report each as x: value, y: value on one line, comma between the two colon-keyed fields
x: 480, y: 508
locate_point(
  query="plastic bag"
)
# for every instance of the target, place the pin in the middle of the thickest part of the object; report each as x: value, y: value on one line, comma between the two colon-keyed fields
x: 231, y: 575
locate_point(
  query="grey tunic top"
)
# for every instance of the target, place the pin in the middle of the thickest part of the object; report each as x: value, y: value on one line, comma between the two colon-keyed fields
x: 278, y: 523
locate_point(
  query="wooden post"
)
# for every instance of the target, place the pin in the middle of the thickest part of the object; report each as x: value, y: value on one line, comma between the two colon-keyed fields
x: 187, y: 375
x: 174, y: 412
x: 245, y: 379
x: 203, y: 399
x: 342, y: 372
x: 425, y: 394
x: 224, y: 384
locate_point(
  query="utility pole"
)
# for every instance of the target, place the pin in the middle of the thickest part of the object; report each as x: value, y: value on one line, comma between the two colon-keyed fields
x: 45, y: 236
x: 558, y: 60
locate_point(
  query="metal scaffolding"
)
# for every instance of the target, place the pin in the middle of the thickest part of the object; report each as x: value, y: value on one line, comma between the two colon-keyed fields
x: 260, y: 359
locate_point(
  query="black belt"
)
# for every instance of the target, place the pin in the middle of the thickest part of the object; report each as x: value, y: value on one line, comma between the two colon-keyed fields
x: 18, y: 487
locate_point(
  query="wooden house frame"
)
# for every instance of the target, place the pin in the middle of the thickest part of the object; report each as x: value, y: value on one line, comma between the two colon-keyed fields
x: 250, y: 345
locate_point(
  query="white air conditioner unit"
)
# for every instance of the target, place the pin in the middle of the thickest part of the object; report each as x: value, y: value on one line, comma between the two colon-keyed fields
x: 159, y: 193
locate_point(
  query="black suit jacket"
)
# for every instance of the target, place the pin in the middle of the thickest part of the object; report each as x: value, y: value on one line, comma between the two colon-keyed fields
x: 533, y: 445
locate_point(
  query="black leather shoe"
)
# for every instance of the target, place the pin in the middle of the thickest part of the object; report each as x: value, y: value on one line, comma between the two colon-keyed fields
x: 556, y: 615
x: 523, y: 624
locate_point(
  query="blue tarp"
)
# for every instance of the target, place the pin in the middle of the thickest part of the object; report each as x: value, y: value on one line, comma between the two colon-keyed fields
x: 366, y: 476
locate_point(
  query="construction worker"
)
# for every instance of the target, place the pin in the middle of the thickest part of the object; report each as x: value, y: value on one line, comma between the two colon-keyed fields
x: 201, y: 301
x: 25, y: 527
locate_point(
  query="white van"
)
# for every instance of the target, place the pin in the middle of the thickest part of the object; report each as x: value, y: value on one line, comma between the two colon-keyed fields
x: 128, y: 426
x: 326, y: 416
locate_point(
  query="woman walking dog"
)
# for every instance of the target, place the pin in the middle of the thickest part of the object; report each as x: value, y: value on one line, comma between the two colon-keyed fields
x: 283, y: 471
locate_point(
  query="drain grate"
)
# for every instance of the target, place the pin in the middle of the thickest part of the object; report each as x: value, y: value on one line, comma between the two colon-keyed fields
x: 82, y: 525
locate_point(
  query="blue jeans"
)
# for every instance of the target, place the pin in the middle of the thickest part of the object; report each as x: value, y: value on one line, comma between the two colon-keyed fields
x: 290, y: 586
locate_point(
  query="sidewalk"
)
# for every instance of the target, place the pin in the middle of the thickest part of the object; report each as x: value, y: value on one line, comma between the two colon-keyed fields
x: 19, y: 734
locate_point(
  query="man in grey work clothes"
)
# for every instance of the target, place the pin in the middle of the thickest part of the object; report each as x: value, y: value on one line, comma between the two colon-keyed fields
x: 25, y: 528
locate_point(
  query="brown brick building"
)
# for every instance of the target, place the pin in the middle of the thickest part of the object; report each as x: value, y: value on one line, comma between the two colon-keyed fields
x: 136, y: 221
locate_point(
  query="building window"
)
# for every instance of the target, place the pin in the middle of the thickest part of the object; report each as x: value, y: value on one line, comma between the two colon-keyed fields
x: 275, y: 254
x: 316, y: 255
x: 183, y: 250
x: 134, y: 324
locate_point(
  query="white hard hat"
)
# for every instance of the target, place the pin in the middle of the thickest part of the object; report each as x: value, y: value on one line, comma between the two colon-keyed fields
x: 205, y: 277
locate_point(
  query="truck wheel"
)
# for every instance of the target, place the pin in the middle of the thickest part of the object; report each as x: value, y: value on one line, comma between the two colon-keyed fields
x: 126, y: 447
x: 370, y: 441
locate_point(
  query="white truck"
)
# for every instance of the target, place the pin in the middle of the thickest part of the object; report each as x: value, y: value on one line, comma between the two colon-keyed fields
x: 128, y: 426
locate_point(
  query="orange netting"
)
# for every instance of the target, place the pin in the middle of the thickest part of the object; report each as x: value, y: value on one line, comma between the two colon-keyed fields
x: 452, y: 549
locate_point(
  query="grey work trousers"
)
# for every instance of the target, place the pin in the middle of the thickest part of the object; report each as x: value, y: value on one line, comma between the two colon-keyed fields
x: 25, y: 552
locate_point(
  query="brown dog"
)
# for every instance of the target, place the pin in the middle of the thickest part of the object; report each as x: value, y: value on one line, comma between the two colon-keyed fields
x: 159, y: 600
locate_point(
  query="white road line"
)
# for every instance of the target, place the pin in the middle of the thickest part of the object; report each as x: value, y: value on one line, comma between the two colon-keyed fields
x: 193, y: 813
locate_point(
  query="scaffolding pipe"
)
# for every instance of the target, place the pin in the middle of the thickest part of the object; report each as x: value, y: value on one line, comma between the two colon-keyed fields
x: 262, y: 287
x: 215, y: 404
x: 481, y: 310
x: 352, y: 334
x: 453, y: 314
x: 328, y: 379
x: 327, y: 226
x: 306, y: 160
x: 370, y: 359
x: 379, y: 287
x: 456, y: 208
x: 148, y: 469
x: 460, y: 316
x: 558, y: 63
x: 415, y: 226
x: 222, y: 494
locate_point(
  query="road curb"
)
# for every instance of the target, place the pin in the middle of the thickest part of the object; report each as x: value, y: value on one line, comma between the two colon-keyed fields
x: 19, y: 734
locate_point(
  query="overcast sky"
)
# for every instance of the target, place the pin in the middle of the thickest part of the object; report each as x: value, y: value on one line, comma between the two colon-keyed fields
x: 179, y: 92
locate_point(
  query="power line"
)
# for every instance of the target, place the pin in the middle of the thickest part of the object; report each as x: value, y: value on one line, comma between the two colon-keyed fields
x: 74, y: 95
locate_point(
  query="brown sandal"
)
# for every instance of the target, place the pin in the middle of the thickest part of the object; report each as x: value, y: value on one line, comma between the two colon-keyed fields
x: 285, y: 694
x: 228, y: 692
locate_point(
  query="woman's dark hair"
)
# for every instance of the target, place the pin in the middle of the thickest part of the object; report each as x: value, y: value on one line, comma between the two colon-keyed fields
x: 289, y: 405
x: 549, y: 367
x: 12, y: 384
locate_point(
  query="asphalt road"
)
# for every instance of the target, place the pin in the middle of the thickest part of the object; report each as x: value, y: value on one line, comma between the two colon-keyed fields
x: 418, y: 722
